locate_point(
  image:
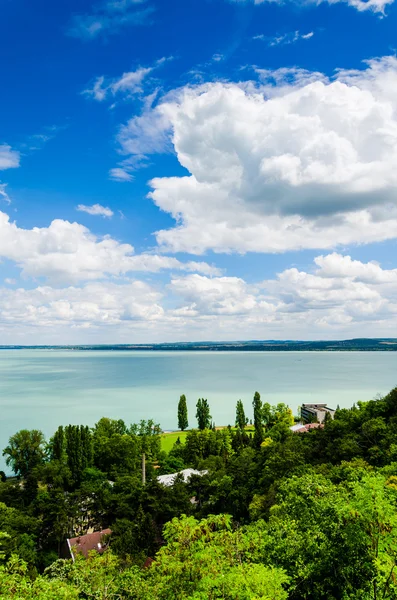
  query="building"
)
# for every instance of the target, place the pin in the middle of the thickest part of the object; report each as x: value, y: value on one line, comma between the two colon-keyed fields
x: 315, y: 412
x: 83, y: 544
x: 168, y: 480
x: 300, y: 428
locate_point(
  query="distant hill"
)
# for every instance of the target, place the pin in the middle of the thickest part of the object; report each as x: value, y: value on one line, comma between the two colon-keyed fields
x: 360, y: 344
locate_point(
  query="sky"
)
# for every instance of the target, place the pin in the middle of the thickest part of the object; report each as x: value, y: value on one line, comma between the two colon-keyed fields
x: 201, y: 170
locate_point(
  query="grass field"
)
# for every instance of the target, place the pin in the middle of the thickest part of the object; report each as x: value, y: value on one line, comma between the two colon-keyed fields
x: 169, y: 439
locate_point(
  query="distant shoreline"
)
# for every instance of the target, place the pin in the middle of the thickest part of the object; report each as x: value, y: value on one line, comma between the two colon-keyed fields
x: 353, y: 345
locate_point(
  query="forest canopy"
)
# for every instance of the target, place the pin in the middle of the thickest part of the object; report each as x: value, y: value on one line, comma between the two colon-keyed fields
x: 272, y: 514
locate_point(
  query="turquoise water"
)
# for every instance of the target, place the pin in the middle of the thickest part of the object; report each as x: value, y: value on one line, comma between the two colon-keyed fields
x: 45, y: 388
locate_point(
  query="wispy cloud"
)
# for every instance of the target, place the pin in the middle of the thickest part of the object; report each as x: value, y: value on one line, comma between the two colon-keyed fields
x: 9, y: 158
x: 129, y: 83
x: 120, y: 174
x: 109, y: 17
x: 3, y: 193
x: 287, y: 38
x: 38, y: 140
x: 376, y: 6
x: 95, y: 209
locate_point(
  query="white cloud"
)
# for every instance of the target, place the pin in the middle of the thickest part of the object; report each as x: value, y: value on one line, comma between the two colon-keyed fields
x: 95, y: 209
x: 109, y: 17
x: 376, y: 6
x: 147, y: 133
x: 91, y: 305
x: 340, y: 297
x: 296, y: 161
x: 98, y: 90
x: 120, y: 174
x: 129, y: 83
x: 335, y: 266
x: 69, y: 252
x: 284, y: 39
x: 215, y: 296
x: 4, y: 194
x: 9, y: 158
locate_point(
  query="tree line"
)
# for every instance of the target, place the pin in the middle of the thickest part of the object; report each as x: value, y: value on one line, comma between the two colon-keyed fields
x: 262, y: 415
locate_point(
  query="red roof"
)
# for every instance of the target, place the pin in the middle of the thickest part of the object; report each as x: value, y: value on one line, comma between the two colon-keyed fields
x: 313, y: 426
x: 83, y: 544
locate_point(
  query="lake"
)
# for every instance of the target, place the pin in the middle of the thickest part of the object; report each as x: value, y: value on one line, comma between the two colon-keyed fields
x: 46, y: 388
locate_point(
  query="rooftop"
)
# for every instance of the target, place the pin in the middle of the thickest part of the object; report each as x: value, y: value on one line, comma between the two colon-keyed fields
x: 83, y: 544
x: 168, y: 480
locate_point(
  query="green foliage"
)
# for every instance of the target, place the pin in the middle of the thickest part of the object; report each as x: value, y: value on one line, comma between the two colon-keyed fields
x: 303, y: 516
x: 258, y: 416
x: 79, y: 450
x: 25, y: 451
x: 335, y: 541
x: 183, y: 422
x: 202, y: 444
x: 207, y: 559
x: 135, y: 538
x: 21, y: 532
x: 241, y: 420
x: 57, y: 445
x: 203, y: 415
x: 16, y: 584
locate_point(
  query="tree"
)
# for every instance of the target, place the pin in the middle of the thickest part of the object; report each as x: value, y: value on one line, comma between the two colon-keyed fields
x: 257, y: 404
x: 203, y: 414
x: 335, y: 541
x: 58, y: 445
x: 207, y: 559
x: 182, y: 413
x: 241, y: 420
x: 25, y: 451
x: 79, y: 450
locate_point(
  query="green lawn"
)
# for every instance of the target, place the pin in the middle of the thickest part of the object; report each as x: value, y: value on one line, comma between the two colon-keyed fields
x: 169, y: 439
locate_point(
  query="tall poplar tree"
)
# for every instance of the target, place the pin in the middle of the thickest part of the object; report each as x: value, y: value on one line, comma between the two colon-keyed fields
x: 257, y: 404
x: 58, y: 445
x: 182, y: 413
x: 241, y: 420
x: 203, y: 414
x: 79, y: 449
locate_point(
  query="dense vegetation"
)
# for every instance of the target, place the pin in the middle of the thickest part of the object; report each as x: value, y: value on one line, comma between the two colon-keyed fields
x: 277, y: 515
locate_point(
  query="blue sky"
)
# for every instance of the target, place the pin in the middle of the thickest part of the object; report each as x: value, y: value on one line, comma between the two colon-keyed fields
x: 209, y: 169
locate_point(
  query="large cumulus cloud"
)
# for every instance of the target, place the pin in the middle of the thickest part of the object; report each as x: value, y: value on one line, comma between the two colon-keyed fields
x: 295, y: 161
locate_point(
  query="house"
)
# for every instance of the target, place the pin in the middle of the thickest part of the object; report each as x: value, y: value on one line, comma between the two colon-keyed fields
x: 83, y: 544
x: 168, y: 480
x: 315, y: 412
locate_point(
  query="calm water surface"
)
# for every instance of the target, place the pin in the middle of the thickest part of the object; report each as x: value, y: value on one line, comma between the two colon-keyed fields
x: 46, y: 388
